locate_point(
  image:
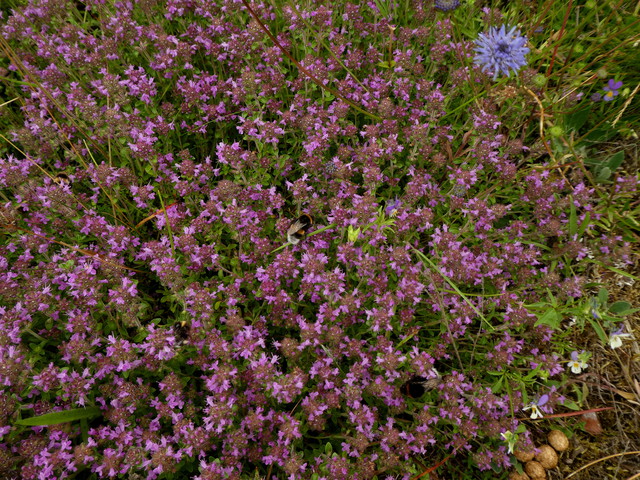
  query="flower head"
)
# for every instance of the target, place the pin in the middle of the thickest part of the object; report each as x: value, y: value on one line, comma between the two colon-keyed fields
x: 573, y: 322
x: 511, y: 439
x: 446, y: 5
x: 501, y: 51
x: 392, y: 207
x: 615, y: 339
x: 577, y: 363
x: 611, y: 90
x: 533, y: 406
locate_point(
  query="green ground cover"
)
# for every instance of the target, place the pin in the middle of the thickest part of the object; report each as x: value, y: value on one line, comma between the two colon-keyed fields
x: 319, y: 240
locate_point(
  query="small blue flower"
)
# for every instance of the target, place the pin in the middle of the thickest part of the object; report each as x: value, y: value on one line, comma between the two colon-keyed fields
x: 501, y: 51
x: 596, y: 97
x: 446, y: 5
x: 612, y: 90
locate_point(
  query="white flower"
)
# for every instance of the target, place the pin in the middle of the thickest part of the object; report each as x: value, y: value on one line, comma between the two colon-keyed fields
x: 615, y: 339
x: 533, y: 406
x: 576, y: 364
x: 576, y: 367
x: 511, y: 440
x: 535, y: 411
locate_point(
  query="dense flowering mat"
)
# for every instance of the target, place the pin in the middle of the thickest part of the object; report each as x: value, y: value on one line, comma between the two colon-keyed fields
x: 339, y: 249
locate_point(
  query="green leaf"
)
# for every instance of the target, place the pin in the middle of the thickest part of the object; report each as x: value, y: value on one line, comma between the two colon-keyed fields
x: 603, y: 174
x: 592, y: 161
x: 84, y: 429
x: 536, y: 372
x: 550, y: 318
x: 56, y: 418
x: 620, y: 307
x: 601, y: 134
x: 584, y: 225
x: 571, y: 405
x: 577, y: 119
x: 383, y: 8
x: 615, y: 160
x: 603, y: 296
x: 386, y: 64
x: 68, y: 265
x: 604, y: 338
x: 497, y: 386
x: 328, y: 448
x: 573, y: 220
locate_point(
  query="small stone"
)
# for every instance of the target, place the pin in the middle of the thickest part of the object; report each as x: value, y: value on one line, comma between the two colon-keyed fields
x: 524, y: 455
x: 547, y: 457
x: 558, y: 440
x: 535, y: 470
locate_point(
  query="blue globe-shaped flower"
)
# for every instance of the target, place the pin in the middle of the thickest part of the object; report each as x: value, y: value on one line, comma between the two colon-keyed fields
x: 501, y: 51
x: 446, y: 5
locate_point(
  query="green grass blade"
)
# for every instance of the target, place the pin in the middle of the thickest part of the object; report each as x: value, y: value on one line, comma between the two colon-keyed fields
x: 56, y: 418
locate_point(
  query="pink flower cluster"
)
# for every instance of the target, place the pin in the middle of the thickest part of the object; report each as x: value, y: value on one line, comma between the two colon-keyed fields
x: 165, y: 150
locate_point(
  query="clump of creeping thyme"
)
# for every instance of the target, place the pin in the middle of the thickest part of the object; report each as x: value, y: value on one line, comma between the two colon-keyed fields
x: 156, y: 283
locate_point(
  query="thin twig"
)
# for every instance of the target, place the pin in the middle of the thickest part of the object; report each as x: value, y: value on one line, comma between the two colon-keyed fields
x: 626, y: 104
x: 544, y: 141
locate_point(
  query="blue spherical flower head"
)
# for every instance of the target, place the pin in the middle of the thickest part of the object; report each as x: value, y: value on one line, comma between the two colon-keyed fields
x: 501, y: 51
x: 446, y: 5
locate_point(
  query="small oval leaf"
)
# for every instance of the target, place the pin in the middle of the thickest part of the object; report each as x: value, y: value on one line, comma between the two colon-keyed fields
x: 615, y: 160
x: 620, y: 307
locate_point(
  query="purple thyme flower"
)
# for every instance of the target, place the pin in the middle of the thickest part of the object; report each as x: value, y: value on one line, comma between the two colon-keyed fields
x: 446, y: 5
x: 596, y: 97
x: 501, y: 51
x: 611, y: 89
